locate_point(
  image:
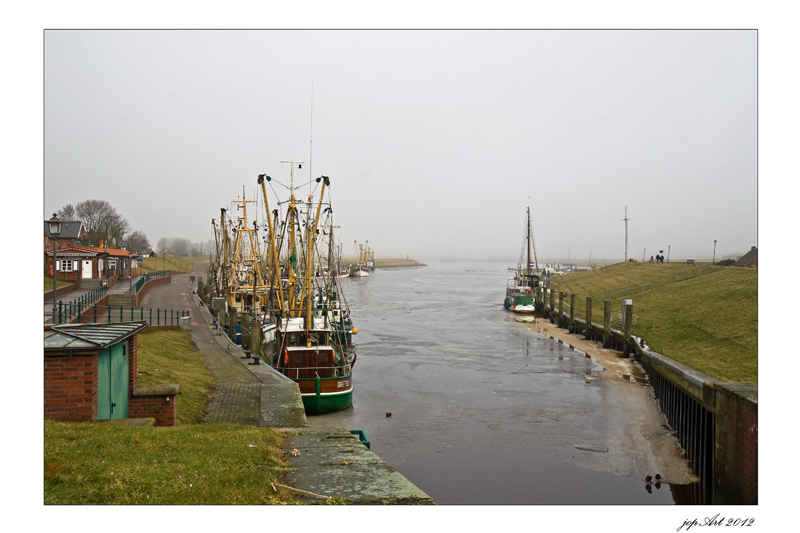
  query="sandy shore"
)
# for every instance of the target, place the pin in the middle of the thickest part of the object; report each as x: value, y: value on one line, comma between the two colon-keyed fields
x: 639, y: 435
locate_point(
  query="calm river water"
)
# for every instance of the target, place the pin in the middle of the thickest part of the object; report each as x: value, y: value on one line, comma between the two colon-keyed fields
x: 483, y: 409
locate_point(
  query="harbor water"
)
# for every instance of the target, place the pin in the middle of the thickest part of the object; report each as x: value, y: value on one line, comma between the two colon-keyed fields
x: 474, y: 407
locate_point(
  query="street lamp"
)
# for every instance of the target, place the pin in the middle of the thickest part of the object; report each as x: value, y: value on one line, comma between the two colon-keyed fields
x: 55, y: 231
x: 130, y: 271
x: 714, y: 257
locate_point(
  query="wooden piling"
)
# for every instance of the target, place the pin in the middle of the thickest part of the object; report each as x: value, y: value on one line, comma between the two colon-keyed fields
x: 588, y: 334
x: 572, y: 311
x: 607, y: 325
x: 255, y: 337
x: 245, y: 320
x: 626, y: 350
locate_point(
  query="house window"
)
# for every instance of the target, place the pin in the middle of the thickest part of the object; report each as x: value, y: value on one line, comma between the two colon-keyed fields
x: 67, y: 265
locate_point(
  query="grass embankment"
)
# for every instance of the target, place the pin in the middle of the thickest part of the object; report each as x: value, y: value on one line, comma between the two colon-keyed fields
x: 704, y: 317
x: 184, y: 465
x: 169, y: 356
x: 48, y: 283
x: 192, y: 463
x: 169, y: 262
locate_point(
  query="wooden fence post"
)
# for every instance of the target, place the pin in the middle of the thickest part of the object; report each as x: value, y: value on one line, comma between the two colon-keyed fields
x: 607, y: 325
x: 572, y: 312
x: 552, y: 305
x: 588, y: 334
x: 626, y: 350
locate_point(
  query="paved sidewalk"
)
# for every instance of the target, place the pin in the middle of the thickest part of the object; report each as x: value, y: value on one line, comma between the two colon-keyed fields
x: 246, y: 394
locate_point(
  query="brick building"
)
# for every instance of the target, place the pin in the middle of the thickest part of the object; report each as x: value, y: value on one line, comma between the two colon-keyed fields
x: 90, y: 373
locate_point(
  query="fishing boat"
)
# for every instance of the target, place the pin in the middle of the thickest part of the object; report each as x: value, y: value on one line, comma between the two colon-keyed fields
x: 360, y: 270
x: 521, y: 291
x: 312, y: 331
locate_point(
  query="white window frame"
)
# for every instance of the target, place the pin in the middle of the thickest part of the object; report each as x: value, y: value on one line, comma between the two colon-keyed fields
x: 67, y: 265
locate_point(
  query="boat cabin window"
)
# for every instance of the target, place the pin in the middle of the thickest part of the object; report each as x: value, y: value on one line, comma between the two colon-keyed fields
x: 238, y: 297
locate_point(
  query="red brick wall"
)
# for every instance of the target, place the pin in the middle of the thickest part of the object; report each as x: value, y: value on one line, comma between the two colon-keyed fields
x: 133, y: 362
x: 164, y: 411
x: 70, y: 388
x: 736, y: 454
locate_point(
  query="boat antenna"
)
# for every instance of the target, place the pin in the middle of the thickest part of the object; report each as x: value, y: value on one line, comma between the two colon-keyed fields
x: 310, y: 141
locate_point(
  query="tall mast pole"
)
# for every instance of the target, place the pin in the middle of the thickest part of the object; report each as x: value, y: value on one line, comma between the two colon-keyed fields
x: 626, y: 233
x: 528, y: 236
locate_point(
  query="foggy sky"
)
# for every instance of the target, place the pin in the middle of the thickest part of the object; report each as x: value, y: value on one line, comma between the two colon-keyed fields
x: 435, y: 141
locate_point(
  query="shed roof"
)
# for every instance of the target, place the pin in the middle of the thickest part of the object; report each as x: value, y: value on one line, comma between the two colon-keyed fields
x: 748, y: 257
x: 89, y: 336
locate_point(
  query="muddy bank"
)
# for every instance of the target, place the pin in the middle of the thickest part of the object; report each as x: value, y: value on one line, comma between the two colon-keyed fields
x: 642, y: 432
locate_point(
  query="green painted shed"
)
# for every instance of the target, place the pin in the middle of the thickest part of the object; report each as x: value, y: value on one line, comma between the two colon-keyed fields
x: 89, y: 370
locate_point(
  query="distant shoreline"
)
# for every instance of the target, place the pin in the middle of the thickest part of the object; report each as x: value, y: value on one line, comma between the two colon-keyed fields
x: 388, y: 263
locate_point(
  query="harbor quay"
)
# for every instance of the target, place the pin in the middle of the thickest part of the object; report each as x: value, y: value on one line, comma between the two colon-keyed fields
x: 323, y: 463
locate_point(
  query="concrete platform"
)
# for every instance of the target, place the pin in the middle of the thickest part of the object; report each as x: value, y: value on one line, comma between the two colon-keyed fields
x: 332, y: 462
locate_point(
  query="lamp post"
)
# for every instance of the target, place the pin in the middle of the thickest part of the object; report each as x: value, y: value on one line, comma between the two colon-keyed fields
x: 714, y: 257
x: 130, y: 271
x: 164, y: 253
x: 55, y: 231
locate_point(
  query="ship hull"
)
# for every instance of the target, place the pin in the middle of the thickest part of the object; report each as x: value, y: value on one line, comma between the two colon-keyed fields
x: 325, y: 395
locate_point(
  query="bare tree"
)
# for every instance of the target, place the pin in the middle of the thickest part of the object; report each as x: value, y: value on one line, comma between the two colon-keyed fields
x: 67, y: 212
x: 180, y: 246
x: 102, y: 222
x: 136, y: 242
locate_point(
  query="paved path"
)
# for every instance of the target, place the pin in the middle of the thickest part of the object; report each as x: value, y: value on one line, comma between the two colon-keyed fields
x: 246, y: 394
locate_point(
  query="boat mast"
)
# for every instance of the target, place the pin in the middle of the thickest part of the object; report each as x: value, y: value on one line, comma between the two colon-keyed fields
x: 528, y: 236
x: 292, y: 221
x: 274, y: 271
x: 312, y: 232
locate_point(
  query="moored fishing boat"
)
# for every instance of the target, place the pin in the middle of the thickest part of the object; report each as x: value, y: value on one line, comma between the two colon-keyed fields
x: 521, y: 291
x: 361, y: 270
x: 312, y: 342
x: 285, y: 304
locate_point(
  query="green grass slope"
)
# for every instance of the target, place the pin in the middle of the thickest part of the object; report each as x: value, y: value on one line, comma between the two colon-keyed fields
x: 705, y: 317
